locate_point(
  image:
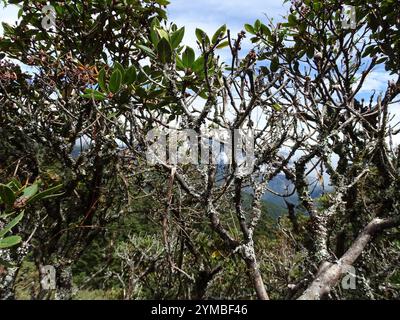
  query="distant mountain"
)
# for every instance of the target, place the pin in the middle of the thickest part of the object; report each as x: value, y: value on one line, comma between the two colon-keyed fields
x: 281, y: 185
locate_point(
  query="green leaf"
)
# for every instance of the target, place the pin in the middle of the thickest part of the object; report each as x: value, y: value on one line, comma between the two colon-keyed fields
x: 7, y: 195
x: 188, y: 57
x: 163, y: 34
x: 162, y: 2
x: 11, y: 225
x: 155, y: 23
x: 101, y: 79
x: 164, y: 51
x: 198, y: 65
x: 119, y: 66
x: 9, y: 242
x: 292, y: 20
x: 265, y: 30
x: 220, y: 32
x: 30, y: 191
x: 371, y: 50
x: 115, y: 81
x: 48, y: 193
x: 274, y: 64
x: 93, y: 94
x: 176, y: 37
x: 179, y: 63
x: 147, y: 50
x: 154, y: 37
x: 249, y: 28
x: 223, y: 45
x: 257, y: 25
x: 130, y: 75
x: 201, y: 35
x: 8, y: 29
x: 14, y: 185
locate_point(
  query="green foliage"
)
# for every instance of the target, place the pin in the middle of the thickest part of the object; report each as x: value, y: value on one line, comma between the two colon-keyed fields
x: 16, y: 198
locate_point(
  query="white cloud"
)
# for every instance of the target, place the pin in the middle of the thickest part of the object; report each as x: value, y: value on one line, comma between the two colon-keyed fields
x: 394, y: 110
x: 376, y: 81
x: 9, y: 15
x: 211, y: 14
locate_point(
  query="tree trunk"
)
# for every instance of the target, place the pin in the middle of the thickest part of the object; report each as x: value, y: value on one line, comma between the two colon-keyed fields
x: 330, y: 273
x: 7, y: 280
x: 63, y: 283
x: 255, y: 277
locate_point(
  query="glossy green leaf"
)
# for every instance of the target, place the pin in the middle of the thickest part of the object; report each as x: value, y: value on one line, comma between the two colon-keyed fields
x: 188, y: 57
x: 147, y: 50
x: 223, y: 45
x: 163, y: 34
x: 249, y: 28
x: 130, y: 75
x: 93, y: 94
x: 7, y: 29
x: 102, y: 80
x: 162, y: 2
x: 177, y: 37
x: 11, y: 225
x: 30, y: 191
x: 179, y: 63
x: 119, y: 66
x: 265, y: 30
x: 292, y: 20
x: 202, y: 36
x: 220, y: 32
x: 9, y: 242
x: 198, y: 65
x: 46, y: 193
x: 154, y: 37
x: 7, y: 195
x: 115, y: 81
x: 164, y: 51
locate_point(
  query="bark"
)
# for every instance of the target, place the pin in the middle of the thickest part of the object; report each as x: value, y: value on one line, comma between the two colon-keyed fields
x: 7, y: 280
x: 8, y: 274
x: 64, y: 283
x: 255, y: 277
x: 330, y: 274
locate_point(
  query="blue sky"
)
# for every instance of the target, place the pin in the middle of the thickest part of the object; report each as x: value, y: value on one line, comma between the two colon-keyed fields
x: 206, y: 14
x: 209, y: 15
